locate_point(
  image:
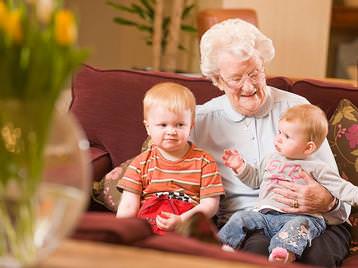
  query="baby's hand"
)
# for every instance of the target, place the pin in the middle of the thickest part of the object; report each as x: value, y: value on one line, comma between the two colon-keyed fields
x: 233, y: 159
x: 168, y: 221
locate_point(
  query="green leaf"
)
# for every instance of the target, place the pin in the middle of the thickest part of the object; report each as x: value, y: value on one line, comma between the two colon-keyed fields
x: 145, y: 28
x: 138, y: 10
x: 181, y: 47
x: 187, y: 11
x: 188, y: 28
x: 121, y: 7
x: 165, y: 23
x: 123, y: 21
x: 149, y: 8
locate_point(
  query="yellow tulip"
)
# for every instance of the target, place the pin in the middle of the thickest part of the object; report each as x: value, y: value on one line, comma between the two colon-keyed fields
x: 65, y: 28
x: 3, y: 13
x: 12, y: 25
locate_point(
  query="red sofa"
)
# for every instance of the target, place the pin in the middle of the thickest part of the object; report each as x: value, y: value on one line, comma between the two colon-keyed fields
x: 108, y: 105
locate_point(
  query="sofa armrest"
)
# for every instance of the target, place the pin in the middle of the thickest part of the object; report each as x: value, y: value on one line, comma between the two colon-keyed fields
x: 101, y: 163
x: 105, y: 227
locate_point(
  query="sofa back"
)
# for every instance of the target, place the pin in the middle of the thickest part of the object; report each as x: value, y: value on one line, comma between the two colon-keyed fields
x: 325, y: 94
x: 108, y: 103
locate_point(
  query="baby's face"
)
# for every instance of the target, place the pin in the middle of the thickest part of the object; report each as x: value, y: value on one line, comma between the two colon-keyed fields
x: 290, y: 140
x: 168, y: 130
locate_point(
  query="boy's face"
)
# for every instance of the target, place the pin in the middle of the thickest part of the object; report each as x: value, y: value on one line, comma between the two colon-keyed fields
x: 291, y: 141
x: 168, y: 130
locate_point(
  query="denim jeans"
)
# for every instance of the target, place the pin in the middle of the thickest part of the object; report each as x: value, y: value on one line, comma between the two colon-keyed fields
x: 290, y: 231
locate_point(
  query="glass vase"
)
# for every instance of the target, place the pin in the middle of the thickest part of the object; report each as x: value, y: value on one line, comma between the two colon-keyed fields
x: 44, y: 180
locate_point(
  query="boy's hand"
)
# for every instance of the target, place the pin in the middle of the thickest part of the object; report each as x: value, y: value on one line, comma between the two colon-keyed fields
x: 168, y: 221
x: 233, y: 159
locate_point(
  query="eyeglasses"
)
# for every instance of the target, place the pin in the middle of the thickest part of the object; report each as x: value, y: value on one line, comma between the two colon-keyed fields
x: 238, y: 81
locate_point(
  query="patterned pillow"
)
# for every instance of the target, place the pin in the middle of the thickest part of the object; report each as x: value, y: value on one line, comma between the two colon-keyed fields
x: 105, y: 191
x: 343, y: 139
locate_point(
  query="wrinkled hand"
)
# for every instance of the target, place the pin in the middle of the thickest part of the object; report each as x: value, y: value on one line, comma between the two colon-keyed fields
x: 168, y: 222
x: 233, y: 159
x: 113, y: 174
x: 311, y: 197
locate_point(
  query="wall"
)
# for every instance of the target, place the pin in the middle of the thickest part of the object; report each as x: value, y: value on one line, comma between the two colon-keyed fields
x: 116, y: 46
x: 299, y: 30
x: 111, y: 46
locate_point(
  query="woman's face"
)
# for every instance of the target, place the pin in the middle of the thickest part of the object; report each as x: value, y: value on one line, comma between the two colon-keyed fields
x: 242, y: 81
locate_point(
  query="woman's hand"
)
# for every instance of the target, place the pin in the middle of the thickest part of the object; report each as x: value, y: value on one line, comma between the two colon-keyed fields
x: 168, y: 222
x: 311, y: 197
x: 233, y: 159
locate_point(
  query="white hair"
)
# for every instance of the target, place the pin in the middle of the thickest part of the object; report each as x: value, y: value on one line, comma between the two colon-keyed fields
x: 238, y: 37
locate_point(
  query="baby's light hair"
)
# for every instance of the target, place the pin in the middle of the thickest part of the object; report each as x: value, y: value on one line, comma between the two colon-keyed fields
x: 172, y: 96
x: 312, y: 120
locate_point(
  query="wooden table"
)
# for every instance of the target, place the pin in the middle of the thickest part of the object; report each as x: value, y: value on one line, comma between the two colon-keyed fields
x: 78, y: 254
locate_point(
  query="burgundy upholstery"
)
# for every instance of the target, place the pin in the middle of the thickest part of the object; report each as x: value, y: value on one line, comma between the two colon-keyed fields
x: 108, y: 105
x: 325, y: 95
x: 105, y: 227
x: 99, y: 226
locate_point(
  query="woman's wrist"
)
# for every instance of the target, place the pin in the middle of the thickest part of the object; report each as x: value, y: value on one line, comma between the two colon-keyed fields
x: 333, y: 205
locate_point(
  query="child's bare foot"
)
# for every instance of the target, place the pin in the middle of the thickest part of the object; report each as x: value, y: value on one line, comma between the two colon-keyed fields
x: 227, y: 248
x: 281, y: 255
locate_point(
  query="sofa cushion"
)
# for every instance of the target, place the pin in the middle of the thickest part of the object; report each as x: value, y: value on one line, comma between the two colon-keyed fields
x: 343, y: 139
x: 105, y: 191
x: 104, y: 227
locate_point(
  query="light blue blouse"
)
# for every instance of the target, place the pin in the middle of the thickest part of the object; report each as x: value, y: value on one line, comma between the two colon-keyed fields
x: 218, y: 126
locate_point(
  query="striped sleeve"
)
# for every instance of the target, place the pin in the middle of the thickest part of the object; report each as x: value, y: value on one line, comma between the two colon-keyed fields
x: 211, y: 183
x: 132, y: 180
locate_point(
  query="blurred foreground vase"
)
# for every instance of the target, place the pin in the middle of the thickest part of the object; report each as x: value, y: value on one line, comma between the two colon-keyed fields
x: 44, y: 180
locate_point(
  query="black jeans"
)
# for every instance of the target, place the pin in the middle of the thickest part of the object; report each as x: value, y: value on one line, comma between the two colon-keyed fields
x: 328, y: 250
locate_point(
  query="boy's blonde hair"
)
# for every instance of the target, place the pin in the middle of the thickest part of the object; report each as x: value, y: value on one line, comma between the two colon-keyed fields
x: 312, y: 120
x: 175, y: 97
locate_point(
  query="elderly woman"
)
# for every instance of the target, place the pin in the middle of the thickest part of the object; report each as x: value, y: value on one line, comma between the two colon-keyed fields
x: 233, y: 54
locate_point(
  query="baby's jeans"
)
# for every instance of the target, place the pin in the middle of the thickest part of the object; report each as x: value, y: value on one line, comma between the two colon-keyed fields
x: 290, y: 231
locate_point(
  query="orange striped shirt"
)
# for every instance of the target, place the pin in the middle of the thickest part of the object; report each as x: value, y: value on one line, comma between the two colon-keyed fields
x: 196, y: 175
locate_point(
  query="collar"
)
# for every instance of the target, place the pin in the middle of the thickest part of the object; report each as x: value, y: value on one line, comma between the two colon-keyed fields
x: 262, y: 112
